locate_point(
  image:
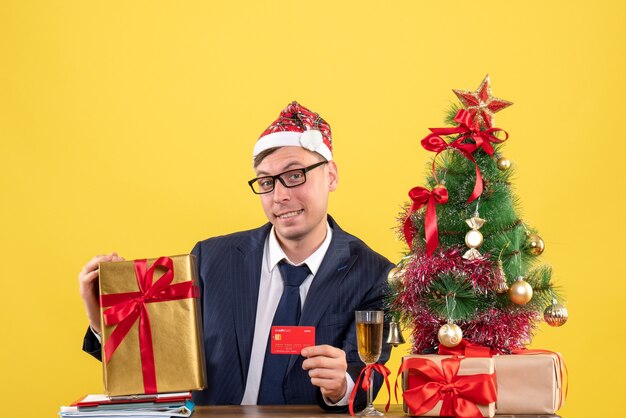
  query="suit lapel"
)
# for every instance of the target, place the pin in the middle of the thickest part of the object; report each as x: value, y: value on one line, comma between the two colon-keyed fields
x: 246, y: 259
x: 337, y: 262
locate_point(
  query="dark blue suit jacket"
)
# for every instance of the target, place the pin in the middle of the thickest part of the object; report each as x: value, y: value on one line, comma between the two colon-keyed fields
x: 351, y: 277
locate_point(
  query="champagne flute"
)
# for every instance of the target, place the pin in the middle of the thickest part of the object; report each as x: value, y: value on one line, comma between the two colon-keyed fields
x: 369, y: 335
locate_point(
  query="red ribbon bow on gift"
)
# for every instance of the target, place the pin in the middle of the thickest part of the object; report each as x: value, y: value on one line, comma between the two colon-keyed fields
x: 126, y: 308
x: 466, y: 129
x: 467, y: 349
x: 420, y: 197
x: 365, y: 379
x: 460, y: 394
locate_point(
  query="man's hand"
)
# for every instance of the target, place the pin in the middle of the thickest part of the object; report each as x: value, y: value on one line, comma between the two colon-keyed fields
x: 88, y: 287
x: 327, y: 369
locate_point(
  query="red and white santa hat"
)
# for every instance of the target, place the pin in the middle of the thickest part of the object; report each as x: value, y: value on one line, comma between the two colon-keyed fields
x: 297, y: 126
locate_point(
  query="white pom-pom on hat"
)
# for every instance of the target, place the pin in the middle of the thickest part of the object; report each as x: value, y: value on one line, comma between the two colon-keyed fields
x: 311, y: 139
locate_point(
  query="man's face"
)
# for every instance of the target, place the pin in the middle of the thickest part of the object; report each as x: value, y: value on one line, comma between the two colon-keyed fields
x: 298, y: 213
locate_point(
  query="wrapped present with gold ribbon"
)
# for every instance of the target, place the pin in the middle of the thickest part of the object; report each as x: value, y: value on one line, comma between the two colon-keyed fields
x: 530, y: 382
x: 151, y: 330
x: 436, y: 385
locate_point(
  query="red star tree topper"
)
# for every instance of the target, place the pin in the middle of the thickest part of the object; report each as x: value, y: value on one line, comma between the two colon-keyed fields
x: 481, y: 104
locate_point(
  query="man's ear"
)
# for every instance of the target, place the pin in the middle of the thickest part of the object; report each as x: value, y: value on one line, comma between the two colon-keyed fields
x: 333, y: 176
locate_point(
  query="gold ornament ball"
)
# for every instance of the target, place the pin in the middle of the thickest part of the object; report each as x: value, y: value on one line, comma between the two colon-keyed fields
x: 535, y: 245
x: 450, y: 335
x: 503, y: 164
x: 521, y: 292
x: 394, y: 274
x: 473, y: 238
x: 555, y: 315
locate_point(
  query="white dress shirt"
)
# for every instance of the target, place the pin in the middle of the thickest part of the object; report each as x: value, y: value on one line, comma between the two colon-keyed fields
x: 270, y: 292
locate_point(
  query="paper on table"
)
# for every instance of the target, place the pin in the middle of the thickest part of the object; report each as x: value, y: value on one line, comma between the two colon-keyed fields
x: 100, y: 399
x: 179, y: 411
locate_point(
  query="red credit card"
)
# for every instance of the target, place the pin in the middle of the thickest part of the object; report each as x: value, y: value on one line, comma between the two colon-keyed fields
x: 291, y: 339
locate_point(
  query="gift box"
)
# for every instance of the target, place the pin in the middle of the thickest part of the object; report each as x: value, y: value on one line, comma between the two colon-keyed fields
x: 436, y: 385
x: 529, y: 383
x: 151, y: 331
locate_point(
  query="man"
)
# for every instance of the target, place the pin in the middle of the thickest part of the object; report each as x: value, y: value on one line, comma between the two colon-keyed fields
x: 247, y: 281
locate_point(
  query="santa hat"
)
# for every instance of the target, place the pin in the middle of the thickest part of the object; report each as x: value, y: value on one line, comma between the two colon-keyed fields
x: 297, y: 126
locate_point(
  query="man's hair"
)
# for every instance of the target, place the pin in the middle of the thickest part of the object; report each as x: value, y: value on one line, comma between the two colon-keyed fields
x: 261, y: 155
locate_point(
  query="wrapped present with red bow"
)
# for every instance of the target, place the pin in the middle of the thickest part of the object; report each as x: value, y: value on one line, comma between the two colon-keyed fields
x: 530, y: 382
x: 436, y: 385
x: 151, y: 332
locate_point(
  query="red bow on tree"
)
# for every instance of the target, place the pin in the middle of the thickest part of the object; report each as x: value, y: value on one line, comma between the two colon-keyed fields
x: 420, y: 197
x: 466, y: 129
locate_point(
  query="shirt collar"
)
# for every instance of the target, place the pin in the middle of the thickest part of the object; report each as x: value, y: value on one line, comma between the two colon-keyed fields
x: 276, y: 253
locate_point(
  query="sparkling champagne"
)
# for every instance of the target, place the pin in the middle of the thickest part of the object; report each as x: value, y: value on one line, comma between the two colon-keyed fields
x: 369, y: 340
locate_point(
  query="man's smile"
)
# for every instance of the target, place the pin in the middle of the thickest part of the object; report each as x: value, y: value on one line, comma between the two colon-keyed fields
x: 291, y: 214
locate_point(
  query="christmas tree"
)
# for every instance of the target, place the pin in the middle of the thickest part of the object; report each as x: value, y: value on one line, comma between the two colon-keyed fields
x: 472, y: 271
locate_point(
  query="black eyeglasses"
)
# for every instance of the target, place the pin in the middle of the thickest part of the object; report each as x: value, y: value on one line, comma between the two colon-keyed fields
x: 291, y: 178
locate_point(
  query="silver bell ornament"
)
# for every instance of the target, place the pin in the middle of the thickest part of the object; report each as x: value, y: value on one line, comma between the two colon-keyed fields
x: 395, y: 337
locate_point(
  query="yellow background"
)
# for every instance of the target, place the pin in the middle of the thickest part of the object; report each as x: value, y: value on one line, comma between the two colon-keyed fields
x: 129, y: 126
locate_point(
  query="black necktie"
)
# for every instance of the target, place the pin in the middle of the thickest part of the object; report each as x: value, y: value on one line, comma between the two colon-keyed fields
x: 287, y: 313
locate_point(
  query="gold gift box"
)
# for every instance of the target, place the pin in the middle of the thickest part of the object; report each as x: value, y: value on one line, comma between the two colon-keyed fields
x: 469, y: 366
x: 175, y: 328
x: 529, y: 383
